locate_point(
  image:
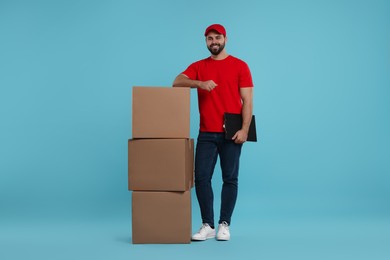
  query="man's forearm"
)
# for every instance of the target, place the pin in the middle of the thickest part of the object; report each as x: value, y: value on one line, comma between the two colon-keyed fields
x: 247, y: 107
x: 184, y: 82
x: 247, y: 111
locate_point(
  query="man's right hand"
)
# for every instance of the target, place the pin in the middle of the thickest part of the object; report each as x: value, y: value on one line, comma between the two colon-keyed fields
x: 207, y: 85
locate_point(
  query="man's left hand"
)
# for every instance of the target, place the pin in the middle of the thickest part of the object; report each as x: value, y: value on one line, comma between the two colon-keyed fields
x: 240, y: 137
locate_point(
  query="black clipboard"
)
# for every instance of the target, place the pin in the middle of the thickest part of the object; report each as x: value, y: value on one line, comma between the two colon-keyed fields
x: 233, y: 123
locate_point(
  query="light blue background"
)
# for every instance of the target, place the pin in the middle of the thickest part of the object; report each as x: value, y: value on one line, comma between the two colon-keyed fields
x: 316, y: 186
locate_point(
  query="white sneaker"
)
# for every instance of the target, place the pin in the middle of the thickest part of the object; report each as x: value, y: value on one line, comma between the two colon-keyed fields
x: 205, y: 232
x: 223, y: 231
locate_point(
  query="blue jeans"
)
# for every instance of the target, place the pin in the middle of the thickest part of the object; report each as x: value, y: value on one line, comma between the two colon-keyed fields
x: 209, y: 147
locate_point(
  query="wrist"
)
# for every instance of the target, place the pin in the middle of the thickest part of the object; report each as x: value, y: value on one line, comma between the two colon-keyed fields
x: 198, y: 83
x: 245, y: 129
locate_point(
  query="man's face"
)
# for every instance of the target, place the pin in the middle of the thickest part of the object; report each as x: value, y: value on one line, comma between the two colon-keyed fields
x: 215, y: 42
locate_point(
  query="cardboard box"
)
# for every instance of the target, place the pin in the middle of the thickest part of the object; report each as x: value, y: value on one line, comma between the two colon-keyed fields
x: 161, y: 164
x: 161, y: 217
x: 161, y: 112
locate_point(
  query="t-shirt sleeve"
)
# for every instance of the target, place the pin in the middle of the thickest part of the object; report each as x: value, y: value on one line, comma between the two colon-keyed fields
x: 245, y: 79
x: 191, y: 71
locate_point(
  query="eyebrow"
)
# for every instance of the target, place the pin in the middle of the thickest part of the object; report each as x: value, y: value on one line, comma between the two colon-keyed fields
x: 218, y: 35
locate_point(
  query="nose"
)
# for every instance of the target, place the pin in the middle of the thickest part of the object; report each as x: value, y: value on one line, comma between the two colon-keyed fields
x: 214, y: 42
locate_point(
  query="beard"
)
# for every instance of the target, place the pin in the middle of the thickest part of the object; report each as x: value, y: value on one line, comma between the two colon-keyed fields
x: 216, y: 51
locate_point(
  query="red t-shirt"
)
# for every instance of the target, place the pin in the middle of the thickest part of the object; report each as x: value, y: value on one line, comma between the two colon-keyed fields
x: 230, y: 74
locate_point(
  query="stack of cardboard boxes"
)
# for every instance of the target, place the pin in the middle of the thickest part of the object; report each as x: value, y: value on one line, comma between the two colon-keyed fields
x: 161, y: 165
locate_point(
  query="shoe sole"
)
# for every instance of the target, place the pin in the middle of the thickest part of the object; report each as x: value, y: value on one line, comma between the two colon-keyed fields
x: 199, y: 239
x: 223, y: 238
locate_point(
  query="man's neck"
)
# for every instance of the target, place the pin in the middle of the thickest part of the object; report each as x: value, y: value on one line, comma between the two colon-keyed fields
x: 221, y: 56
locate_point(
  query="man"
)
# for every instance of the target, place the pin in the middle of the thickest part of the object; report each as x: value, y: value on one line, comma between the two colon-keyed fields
x: 224, y: 84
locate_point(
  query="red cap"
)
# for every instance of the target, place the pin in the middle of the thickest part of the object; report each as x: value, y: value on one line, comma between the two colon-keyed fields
x: 215, y: 27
